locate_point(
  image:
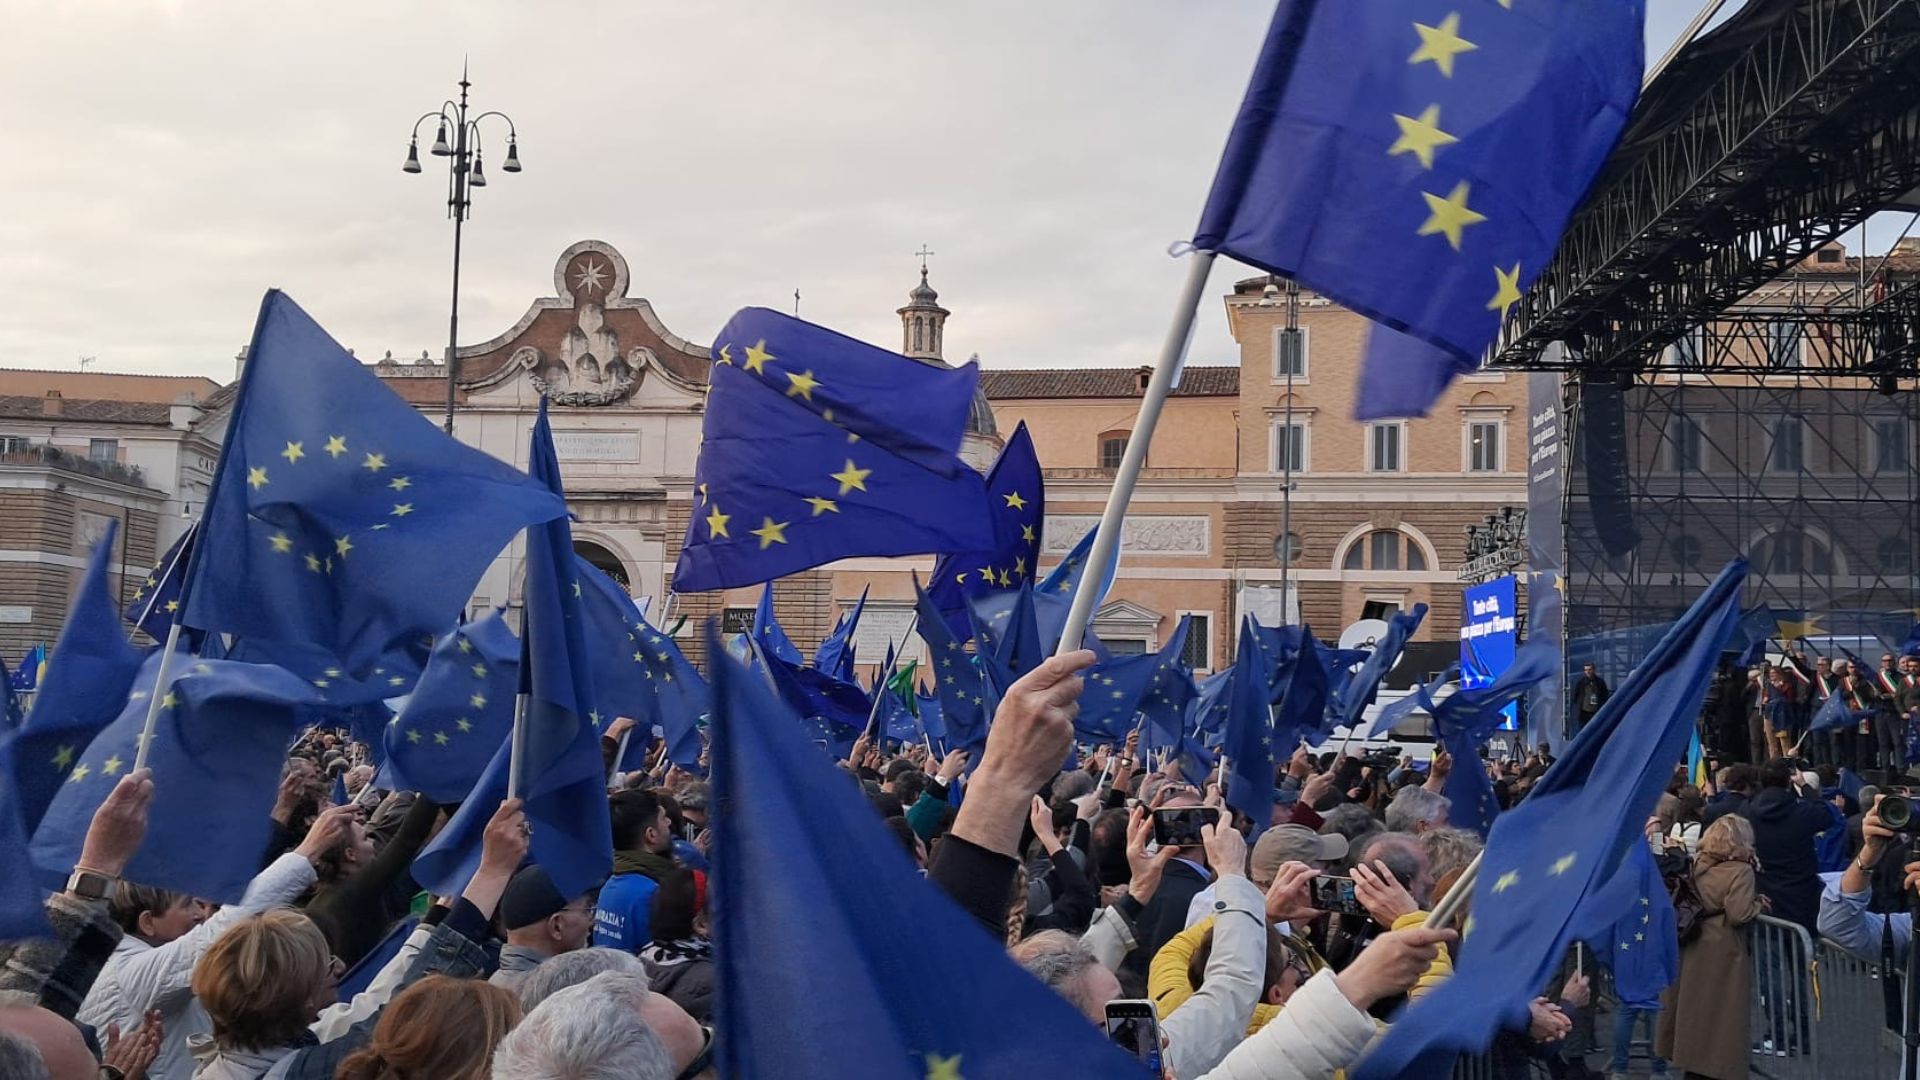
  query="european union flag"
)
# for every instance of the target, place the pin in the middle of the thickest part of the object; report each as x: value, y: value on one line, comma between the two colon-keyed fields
x: 11, y: 714
x: 459, y: 714
x: 835, y: 654
x: 818, y: 447
x: 1835, y: 712
x: 562, y: 776
x: 1350, y: 705
x: 157, y: 601
x: 835, y: 713
x: 932, y: 724
x: 219, y: 742
x: 1211, y: 703
x: 610, y: 638
x: 884, y: 977
x: 1464, y: 721
x: 957, y: 683
x: 340, y: 519
x: 1540, y: 883
x: 1643, y: 947
x: 676, y: 702
x: 1250, y: 733
x: 769, y: 633
x: 1016, y: 497
x: 1457, y: 136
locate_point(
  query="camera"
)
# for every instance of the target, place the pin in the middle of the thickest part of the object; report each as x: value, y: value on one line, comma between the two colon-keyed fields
x: 1896, y: 811
x: 1381, y: 760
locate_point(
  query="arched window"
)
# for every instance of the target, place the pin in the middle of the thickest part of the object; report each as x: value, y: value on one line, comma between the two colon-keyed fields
x: 1384, y: 549
x: 916, y: 333
x: 603, y: 560
x: 1793, y: 551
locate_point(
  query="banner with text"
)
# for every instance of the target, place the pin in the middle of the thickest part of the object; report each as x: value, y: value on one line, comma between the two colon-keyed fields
x: 1489, y: 635
x: 1546, y: 548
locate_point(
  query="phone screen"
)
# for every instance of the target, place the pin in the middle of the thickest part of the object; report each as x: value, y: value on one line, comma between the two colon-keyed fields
x: 1180, y: 827
x: 1134, y: 1026
x: 1337, y: 894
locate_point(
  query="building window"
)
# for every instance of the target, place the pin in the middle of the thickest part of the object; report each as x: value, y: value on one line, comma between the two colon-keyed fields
x: 1829, y: 256
x: 1690, y: 350
x: 1197, y: 651
x: 1685, y: 550
x: 105, y: 451
x: 1289, y: 447
x: 1112, y: 449
x: 1683, y: 447
x: 1125, y: 646
x: 1784, y: 455
x: 1784, y: 341
x: 13, y: 444
x: 1483, y: 446
x: 1289, y: 354
x: 736, y: 620
x: 1892, y: 445
x: 1793, y: 551
x: 1385, y: 549
x: 1383, y: 447
x: 1287, y: 548
x: 1895, y: 555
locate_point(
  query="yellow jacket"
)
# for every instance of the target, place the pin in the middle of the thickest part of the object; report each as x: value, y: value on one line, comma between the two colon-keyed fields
x: 1167, y: 982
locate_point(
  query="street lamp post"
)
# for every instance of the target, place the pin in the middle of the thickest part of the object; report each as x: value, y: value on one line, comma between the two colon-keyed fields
x: 465, y: 171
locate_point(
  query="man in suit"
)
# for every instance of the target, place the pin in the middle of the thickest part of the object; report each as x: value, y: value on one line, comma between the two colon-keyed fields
x: 1590, y: 692
x: 1165, y: 916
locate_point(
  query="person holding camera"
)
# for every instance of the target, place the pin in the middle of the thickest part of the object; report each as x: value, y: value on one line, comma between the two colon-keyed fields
x: 1845, y: 904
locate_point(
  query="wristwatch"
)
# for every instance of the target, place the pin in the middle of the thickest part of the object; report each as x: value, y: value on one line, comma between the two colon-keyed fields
x: 89, y: 884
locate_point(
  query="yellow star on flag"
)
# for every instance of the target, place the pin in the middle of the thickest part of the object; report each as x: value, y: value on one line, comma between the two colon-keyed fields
x: 257, y: 478
x: 1026, y: 533
x: 1450, y: 216
x: 313, y: 562
x: 479, y: 671
x: 400, y: 483
x: 801, y: 384
x: 294, y: 452
x: 465, y: 725
x: 1509, y: 291
x: 1795, y: 629
x: 478, y: 701
x: 717, y: 523
x: 757, y: 357
x: 1015, y: 501
x: 173, y: 606
x: 1420, y: 136
x: 111, y: 766
x: 851, y: 477
x: 771, y: 532
x: 943, y: 1068
x: 281, y: 542
x: 1564, y: 864
x: 374, y: 462
x: 463, y: 644
x: 441, y: 738
x: 79, y: 773
x: 822, y: 506
x: 342, y: 545
x: 1441, y: 44
x: 336, y: 445
x: 960, y: 578
x: 725, y: 356
x: 413, y: 736
x: 1019, y: 566
x: 402, y: 509
x: 62, y: 758
x: 1507, y: 881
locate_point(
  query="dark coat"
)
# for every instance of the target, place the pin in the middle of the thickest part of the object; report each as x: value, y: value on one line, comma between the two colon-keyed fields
x: 1166, y: 915
x: 1703, y: 1019
x: 689, y: 983
x: 1601, y: 692
x: 1785, y: 829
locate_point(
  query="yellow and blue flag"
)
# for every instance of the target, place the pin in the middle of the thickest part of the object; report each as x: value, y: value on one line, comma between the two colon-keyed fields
x: 562, y: 775
x: 958, y: 685
x: 818, y: 447
x: 340, y: 520
x: 1417, y: 162
x: 156, y: 603
x: 884, y: 977
x: 771, y: 636
x: 1643, y: 947
x: 677, y: 699
x: 835, y: 655
x: 219, y: 743
x: 1362, y: 688
x: 458, y: 715
x: 1544, y: 877
x: 1016, y: 497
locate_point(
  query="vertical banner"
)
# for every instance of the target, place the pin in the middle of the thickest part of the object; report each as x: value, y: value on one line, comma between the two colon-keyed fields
x: 1489, y: 638
x: 1546, y: 548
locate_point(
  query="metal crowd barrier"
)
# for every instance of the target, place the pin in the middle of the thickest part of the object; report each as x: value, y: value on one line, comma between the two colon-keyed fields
x: 1817, y: 1010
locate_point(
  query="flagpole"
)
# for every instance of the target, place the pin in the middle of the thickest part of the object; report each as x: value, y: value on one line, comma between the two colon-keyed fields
x: 160, y: 681
x: 1166, y: 374
x: 518, y: 750
x: 1456, y: 898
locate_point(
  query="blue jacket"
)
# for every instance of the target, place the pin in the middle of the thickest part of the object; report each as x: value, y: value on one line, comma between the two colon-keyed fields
x: 620, y: 916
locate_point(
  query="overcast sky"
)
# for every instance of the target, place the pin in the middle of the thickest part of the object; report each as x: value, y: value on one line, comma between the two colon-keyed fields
x: 166, y: 161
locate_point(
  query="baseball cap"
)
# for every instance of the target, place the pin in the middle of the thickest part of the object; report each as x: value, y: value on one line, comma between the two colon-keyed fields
x: 1293, y: 843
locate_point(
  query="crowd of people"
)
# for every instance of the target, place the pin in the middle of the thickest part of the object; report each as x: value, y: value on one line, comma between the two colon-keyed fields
x: 335, y: 965
x: 1772, y: 710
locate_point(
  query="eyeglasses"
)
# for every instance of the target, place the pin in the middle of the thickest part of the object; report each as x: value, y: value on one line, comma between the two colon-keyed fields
x: 703, y: 1060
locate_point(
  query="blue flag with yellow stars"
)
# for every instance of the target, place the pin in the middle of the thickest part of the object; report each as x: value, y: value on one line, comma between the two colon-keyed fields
x: 1016, y: 497
x: 611, y: 637
x: 677, y: 699
x: 1464, y: 721
x: 818, y: 447
x: 340, y: 519
x: 1249, y: 744
x: 932, y: 724
x: 770, y: 634
x: 1458, y: 136
x: 1543, y: 877
x: 1643, y: 947
x: 834, y: 713
x: 885, y: 977
x: 157, y: 601
x: 1362, y: 688
x: 1206, y: 713
x: 11, y: 714
x: 957, y: 683
x: 458, y: 715
x: 219, y: 742
x: 562, y: 774
x: 835, y: 654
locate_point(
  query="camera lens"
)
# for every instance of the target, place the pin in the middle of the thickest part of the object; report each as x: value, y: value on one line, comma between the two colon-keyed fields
x: 1896, y: 812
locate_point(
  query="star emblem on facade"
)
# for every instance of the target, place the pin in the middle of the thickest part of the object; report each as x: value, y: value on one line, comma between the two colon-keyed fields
x: 590, y: 277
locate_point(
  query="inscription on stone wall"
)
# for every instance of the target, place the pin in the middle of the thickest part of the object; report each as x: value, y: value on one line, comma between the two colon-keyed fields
x: 1147, y: 534
x: 881, y: 624
x: 597, y: 445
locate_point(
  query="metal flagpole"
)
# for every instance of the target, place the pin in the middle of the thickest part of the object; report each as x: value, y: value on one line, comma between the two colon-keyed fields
x: 1166, y: 373
x: 1456, y: 898
x: 519, y: 749
x: 162, y: 679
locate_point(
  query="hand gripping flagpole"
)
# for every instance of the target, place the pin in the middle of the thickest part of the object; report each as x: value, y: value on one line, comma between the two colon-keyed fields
x: 1166, y: 374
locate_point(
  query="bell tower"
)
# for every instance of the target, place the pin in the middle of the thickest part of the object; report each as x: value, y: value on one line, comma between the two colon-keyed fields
x: 923, y: 322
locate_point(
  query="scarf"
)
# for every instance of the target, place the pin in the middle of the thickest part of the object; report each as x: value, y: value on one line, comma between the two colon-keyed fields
x: 644, y: 863
x: 668, y: 953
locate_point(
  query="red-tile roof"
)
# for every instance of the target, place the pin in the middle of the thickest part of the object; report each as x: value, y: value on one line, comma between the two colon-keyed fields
x: 18, y: 407
x: 1213, y: 381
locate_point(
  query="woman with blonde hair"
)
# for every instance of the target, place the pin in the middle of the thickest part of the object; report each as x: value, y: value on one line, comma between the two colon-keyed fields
x: 439, y: 1027
x: 1703, y: 1021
